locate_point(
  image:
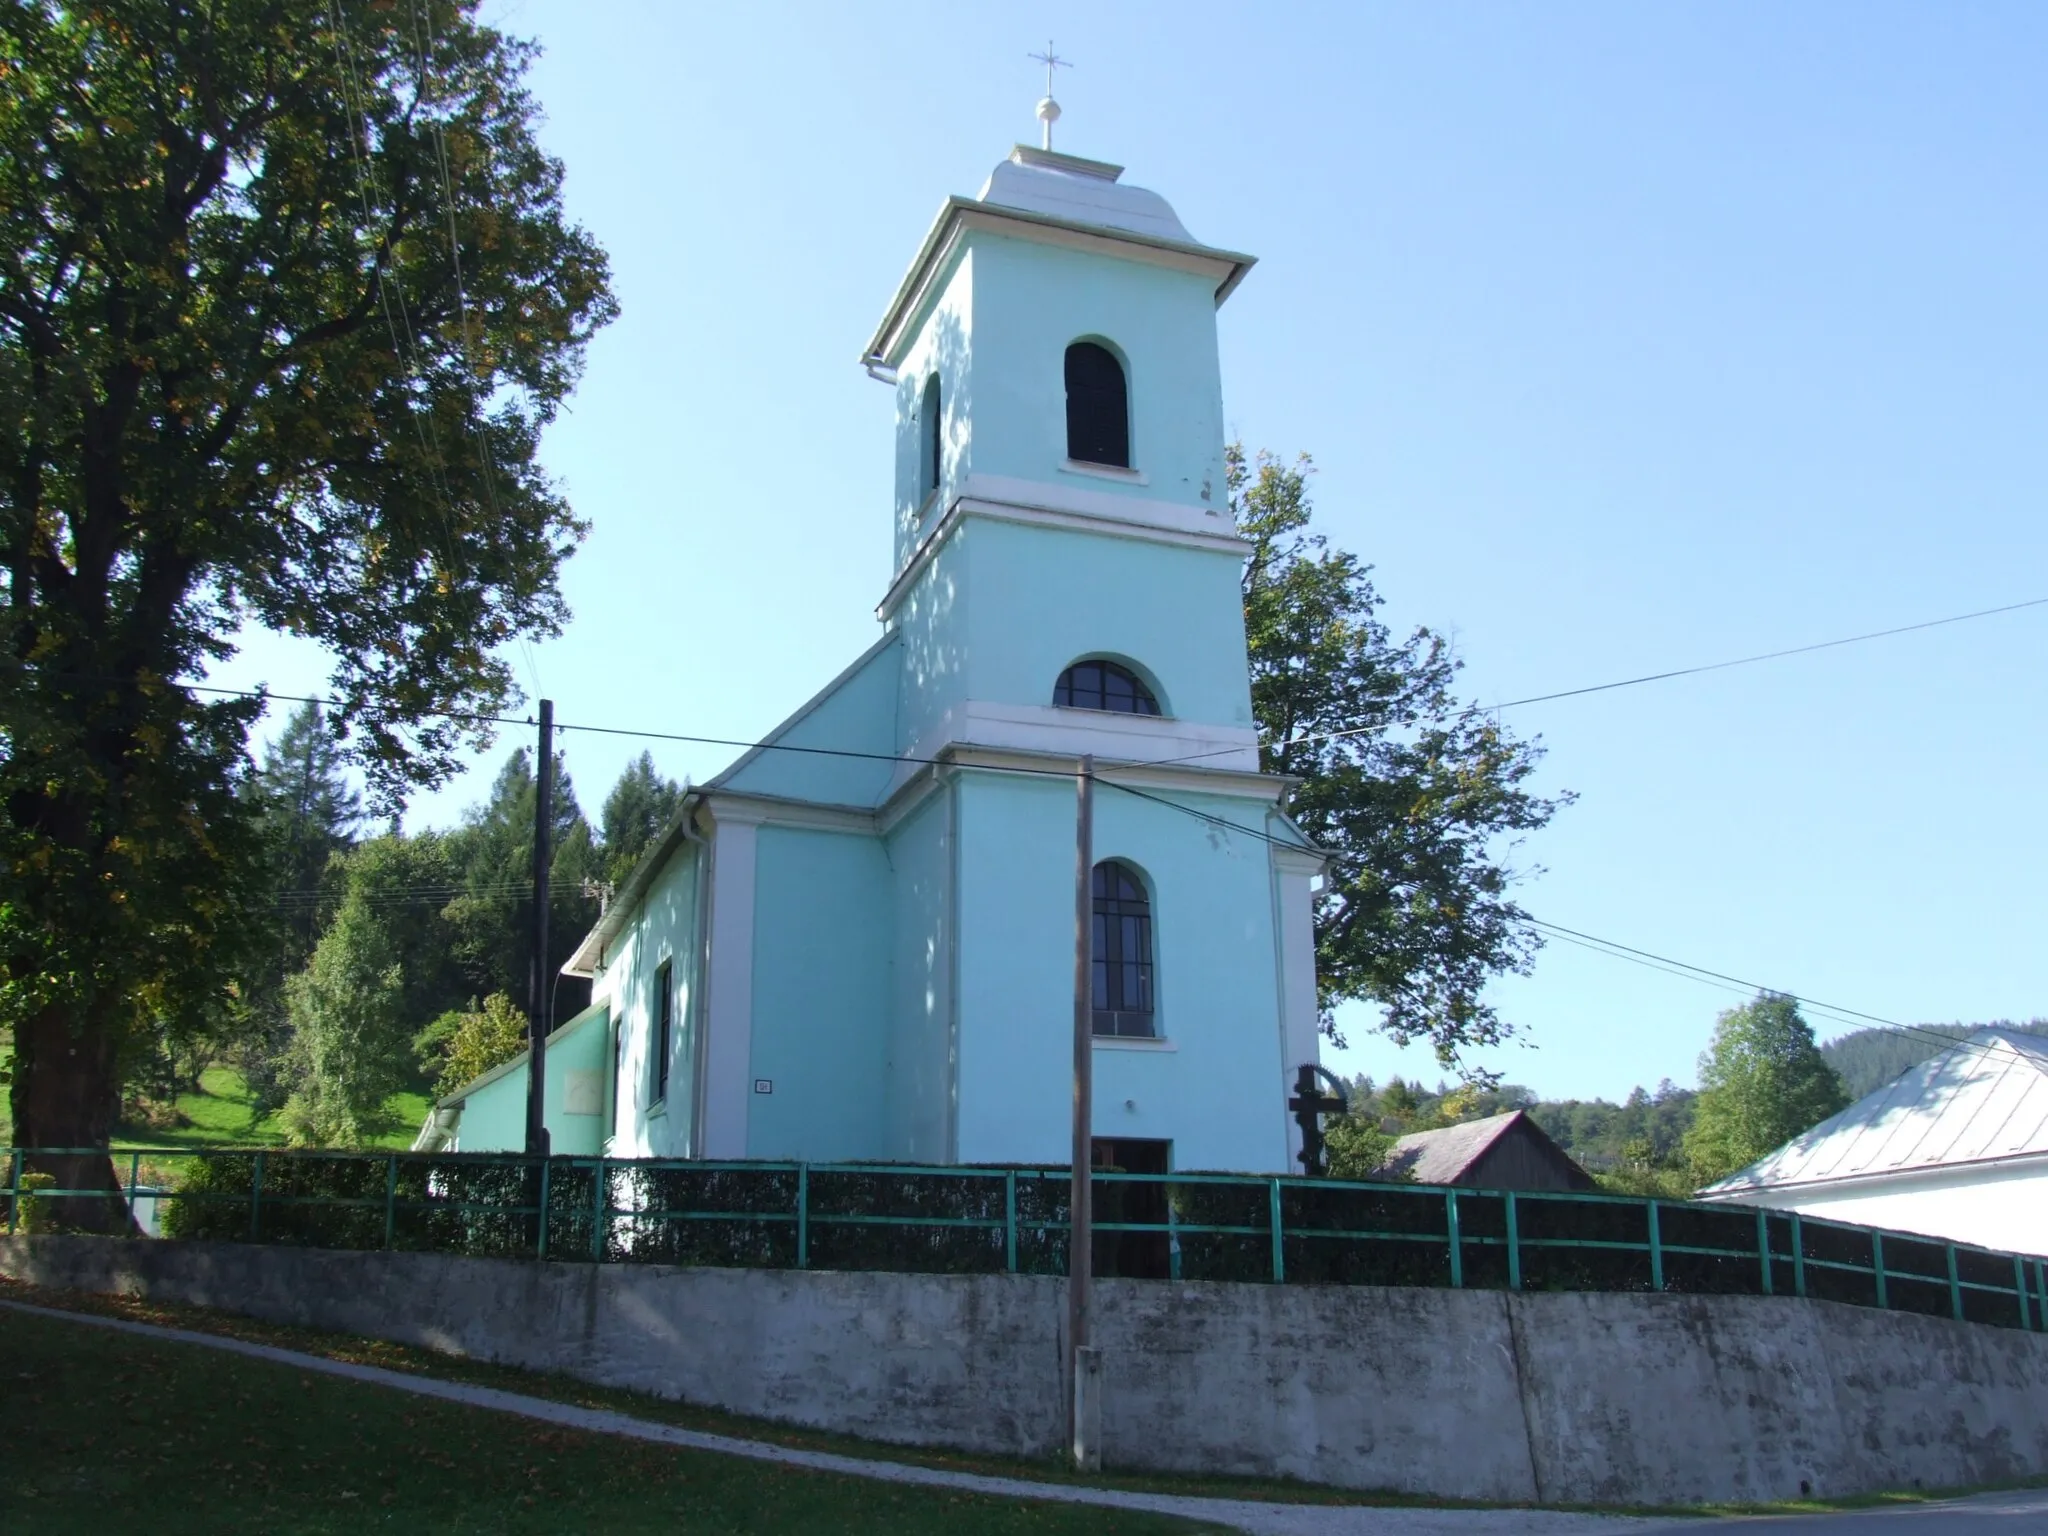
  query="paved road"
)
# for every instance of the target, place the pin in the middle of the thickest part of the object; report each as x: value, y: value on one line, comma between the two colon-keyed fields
x: 1989, y: 1515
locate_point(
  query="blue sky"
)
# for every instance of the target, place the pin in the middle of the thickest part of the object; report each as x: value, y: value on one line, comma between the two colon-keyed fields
x: 1624, y: 337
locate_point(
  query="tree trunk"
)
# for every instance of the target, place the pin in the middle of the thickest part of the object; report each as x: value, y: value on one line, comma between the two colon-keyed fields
x: 65, y: 1094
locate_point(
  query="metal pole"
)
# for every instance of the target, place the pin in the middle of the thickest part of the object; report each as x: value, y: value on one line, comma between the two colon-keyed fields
x: 537, y: 991
x: 1084, y: 1405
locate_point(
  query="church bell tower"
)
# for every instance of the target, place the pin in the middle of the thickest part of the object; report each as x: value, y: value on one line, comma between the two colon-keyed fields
x: 1062, y: 533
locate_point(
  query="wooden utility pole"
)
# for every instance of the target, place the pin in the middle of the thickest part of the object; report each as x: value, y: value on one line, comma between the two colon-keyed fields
x: 539, y: 994
x: 1085, y: 1402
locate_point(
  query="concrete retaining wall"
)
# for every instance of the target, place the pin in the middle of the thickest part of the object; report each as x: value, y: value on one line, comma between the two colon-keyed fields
x: 1598, y: 1399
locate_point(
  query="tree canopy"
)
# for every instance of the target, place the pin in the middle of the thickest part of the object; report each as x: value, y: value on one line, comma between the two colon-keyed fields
x: 1763, y: 1081
x: 287, y: 295
x: 1418, y: 796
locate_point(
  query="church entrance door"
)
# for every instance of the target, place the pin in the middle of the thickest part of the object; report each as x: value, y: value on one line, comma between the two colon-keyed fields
x: 1131, y: 1255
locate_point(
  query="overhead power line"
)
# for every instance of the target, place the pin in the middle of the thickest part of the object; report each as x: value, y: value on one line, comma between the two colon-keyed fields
x: 1690, y: 972
x: 1747, y: 661
x: 1656, y: 677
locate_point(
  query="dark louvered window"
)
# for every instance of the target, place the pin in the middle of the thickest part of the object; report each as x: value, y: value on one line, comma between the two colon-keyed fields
x: 1122, y: 953
x: 664, y: 1026
x: 1104, y: 685
x: 933, y: 441
x: 1098, y: 407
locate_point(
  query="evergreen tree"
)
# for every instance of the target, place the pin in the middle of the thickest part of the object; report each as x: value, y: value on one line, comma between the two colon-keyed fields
x: 308, y: 812
x: 1763, y: 1081
x: 381, y: 970
x: 491, y: 914
x: 640, y: 805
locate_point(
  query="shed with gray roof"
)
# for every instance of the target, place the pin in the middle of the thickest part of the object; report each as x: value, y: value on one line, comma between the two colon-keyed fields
x: 1508, y: 1151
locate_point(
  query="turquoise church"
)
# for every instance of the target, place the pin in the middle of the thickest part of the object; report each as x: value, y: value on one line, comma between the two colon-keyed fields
x: 856, y: 943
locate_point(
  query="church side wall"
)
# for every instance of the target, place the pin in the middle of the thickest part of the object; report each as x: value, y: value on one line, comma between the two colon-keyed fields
x: 856, y: 712
x: 664, y: 928
x: 494, y: 1116
x: 1214, y: 1085
x: 821, y: 996
x: 919, y: 1098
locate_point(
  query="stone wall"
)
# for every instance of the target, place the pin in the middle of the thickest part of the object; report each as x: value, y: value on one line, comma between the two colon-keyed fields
x: 1552, y: 1398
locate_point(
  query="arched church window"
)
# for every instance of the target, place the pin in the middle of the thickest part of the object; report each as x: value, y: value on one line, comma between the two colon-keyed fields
x: 1122, y: 953
x: 1098, y: 407
x: 932, y: 440
x: 1104, y: 685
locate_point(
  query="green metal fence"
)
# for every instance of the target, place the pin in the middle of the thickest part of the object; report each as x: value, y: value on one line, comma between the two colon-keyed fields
x: 1193, y: 1226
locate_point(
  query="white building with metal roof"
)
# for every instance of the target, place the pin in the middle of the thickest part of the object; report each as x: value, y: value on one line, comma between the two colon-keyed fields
x: 1956, y: 1148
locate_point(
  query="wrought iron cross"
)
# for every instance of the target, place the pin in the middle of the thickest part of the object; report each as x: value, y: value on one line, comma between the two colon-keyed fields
x: 1310, y: 1104
x: 1048, y: 109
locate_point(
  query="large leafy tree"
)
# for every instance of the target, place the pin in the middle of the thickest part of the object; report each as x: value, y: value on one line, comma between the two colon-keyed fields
x: 1417, y: 795
x: 1763, y: 1081
x: 287, y: 294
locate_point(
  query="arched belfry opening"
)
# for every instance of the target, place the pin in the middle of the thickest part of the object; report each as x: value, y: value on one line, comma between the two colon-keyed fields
x: 1099, y: 684
x: 931, y: 438
x: 1122, y: 953
x: 1098, y: 407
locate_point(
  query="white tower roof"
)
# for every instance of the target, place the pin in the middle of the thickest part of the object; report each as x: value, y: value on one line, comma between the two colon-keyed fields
x: 1077, y: 191
x: 1038, y: 194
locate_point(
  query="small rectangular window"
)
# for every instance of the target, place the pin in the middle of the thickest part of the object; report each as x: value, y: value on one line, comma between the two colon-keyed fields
x: 618, y: 1076
x: 664, y: 1021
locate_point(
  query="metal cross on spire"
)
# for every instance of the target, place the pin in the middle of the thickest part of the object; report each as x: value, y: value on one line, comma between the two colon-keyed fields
x: 1048, y: 109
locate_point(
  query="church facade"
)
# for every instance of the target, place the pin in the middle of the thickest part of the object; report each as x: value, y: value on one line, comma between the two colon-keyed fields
x: 856, y: 943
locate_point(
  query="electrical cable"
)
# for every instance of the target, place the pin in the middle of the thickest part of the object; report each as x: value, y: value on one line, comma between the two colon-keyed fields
x: 1658, y: 677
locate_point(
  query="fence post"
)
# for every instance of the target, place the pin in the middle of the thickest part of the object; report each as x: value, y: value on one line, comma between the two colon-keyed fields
x: 1656, y: 1250
x: 1172, y: 1237
x: 1955, y: 1288
x: 600, y: 1212
x: 1884, y: 1299
x: 540, y: 1217
x: 2019, y: 1275
x: 1279, y: 1256
x: 390, y: 1196
x: 1514, y: 1247
x: 1457, y: 1248
x: 134, y: 1177
x: 256, y: 1201
x: 803, y: 1215
x: 1010, y: 1221
x: 14, y: 1190
x: 1763, y: 1248
x: 1798, y: 1258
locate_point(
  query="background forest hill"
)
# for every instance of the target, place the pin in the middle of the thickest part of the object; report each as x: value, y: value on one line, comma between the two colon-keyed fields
x: 1639, y: 1145
x: 393, y: 968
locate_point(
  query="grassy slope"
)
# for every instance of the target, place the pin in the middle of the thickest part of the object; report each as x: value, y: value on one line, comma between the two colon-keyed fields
x: 112, y: 1432
x: 223, y: 1114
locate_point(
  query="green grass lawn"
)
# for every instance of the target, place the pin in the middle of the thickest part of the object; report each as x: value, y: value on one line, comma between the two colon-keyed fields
x: 224, y: 1114
x: 109, y: 1432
